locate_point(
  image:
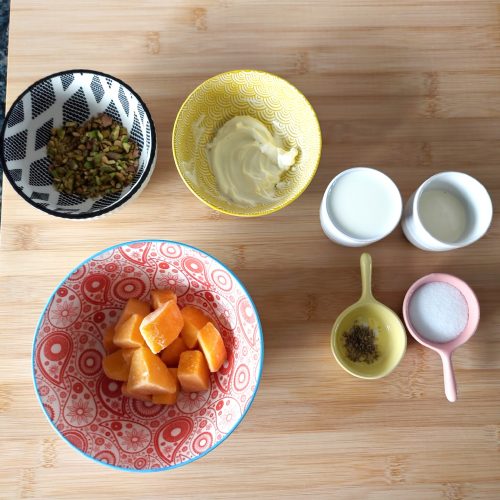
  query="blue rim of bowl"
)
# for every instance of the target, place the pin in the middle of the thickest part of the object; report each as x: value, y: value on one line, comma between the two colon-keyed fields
x: 135, y: 188
x: 175, y: 466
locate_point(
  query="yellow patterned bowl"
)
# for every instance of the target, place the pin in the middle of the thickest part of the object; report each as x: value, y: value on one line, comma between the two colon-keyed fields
x: 270, y: 99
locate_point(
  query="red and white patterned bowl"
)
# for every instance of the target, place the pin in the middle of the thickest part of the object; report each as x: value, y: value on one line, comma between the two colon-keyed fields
x: 87, y: 409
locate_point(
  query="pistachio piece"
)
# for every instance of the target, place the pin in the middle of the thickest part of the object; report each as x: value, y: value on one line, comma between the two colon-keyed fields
x: 92, y: 159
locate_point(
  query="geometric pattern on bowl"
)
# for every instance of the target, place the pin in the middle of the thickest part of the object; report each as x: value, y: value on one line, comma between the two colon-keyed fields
x: 88, y: 410
x: 275, y: 102
x: 71, y: 96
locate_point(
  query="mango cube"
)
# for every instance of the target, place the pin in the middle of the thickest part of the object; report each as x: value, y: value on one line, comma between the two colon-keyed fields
x: 135, y: 395
x: 213, y: 347
x: 168, y: 399
x: 115, y: 366
x: 133, y: 306
x: 193, y: 373
x: 128, y: 335
x: 149, y: 375
x: 171, y: 354
x: 127, y: 356
x: 161, y: 327
x: 107, y: 340
x: 159, y: 297
x: 194, y: 320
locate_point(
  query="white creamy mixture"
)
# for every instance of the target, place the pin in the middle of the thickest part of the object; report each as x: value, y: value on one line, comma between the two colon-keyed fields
x: 247, y: 161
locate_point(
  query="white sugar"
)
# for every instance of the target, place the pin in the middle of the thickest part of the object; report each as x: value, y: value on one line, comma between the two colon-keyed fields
x: 438, y: 311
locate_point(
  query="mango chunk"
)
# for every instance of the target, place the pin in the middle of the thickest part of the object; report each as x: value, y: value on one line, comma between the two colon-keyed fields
x: 213, y: 347
x: 159, y: 297
x: 133, y: 306
x: 135, y: 395
x: 149, y: 375
x: 193, y: 373
x: 171, y: 354
x: 161, y: 327
x: 128, y: 335
x: 115, y: 366
x: 127, y: 356
x: 168, y: 399
x: 194, y: 320
x: 107, y: 340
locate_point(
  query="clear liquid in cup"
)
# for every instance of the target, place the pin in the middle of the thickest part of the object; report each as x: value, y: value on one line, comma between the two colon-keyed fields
x: 443, y: 214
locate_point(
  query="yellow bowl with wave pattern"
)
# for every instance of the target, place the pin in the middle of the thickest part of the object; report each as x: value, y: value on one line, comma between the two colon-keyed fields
x: 270, y: 99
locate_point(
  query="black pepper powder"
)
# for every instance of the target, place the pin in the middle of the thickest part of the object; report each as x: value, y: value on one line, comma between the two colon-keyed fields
x: 359, y: 342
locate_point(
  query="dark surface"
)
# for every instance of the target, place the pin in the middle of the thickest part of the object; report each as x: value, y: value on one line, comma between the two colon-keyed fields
x: 4, y: 24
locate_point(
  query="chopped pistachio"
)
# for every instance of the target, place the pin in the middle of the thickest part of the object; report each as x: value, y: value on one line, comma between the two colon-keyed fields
x: 92, y: 159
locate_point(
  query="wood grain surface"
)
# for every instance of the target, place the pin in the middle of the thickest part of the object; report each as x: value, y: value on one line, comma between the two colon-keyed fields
x: 411, y: 87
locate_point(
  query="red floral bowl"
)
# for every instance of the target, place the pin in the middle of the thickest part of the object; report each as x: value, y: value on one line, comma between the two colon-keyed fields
x: 88, y: 410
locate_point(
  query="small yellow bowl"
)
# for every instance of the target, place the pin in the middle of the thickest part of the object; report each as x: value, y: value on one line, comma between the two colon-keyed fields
x: 264, y: 96
x: 391, y: 334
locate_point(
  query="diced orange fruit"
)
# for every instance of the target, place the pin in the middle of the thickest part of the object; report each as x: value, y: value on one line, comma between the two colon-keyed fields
x: 107, y: 340
x: 115, y: 366
x: 132, y: 345
x: 127, y: 355
x: 213, y: 347
x: 161, y: 327
x: 149, y: 375
x: 171, y: 354
x: 133, y: 306
x: 159, y: 297
x: 193, y: 373
x: 128, y: 335
x: 135, y: 395
x: 194, y: 320
x: 164, y: 399
x: 168, y: 399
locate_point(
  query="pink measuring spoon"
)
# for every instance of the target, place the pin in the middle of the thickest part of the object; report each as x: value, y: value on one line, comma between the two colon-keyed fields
x: 445, y: 349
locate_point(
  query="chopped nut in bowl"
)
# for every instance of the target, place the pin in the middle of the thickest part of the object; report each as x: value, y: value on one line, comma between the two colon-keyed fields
x: 93, y: 159
x: 78, y: 144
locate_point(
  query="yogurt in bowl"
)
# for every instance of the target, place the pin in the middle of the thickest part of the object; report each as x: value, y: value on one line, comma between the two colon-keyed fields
x: 248, y: 161
x: 360, y: 206
x: 287, y: 123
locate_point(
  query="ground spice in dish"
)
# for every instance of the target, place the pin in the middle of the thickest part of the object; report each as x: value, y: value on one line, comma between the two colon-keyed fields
x: 360, y: 344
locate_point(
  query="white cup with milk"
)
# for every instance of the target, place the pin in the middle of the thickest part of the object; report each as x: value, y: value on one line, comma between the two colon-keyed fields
x: 449, y: 210
x: 360, y: 206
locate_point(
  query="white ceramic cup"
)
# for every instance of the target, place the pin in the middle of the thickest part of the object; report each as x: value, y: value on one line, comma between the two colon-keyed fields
x: 369, y: 190
x: 472, y: 195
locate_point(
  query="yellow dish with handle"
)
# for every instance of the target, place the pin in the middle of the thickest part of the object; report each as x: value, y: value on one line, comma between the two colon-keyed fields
x: 389, y: 331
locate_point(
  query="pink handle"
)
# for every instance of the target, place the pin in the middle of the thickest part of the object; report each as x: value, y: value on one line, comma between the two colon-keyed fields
x: 450, y: 385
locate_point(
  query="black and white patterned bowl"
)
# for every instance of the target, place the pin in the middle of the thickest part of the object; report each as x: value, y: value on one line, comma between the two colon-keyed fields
x: 73, y: 95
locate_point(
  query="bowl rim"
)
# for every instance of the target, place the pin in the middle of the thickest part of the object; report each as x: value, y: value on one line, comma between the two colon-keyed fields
x: 97, y: 213
x: 216, y: 444
x: 262, y: 212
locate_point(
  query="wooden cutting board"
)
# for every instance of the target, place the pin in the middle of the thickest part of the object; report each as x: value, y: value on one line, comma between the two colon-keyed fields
x: 411, y: 87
